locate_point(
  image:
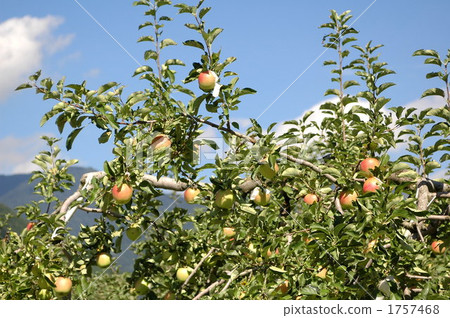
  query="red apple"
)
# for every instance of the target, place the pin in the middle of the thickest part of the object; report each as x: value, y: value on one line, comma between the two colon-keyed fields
x: 30, y: 225
x: 269, y: 252
x: 371, y: 185
x: 224, y: 199
x: 160, y: 142
x: 190, y: 194
x: 311, y: 198
x: 346, y: 198
x: 368, y: 164
x: 207, y: 80
x: 260, y: 197
x: 229, y: 231
x: 122, y: 194
x: 103, y: 260
x: 63, y: 285
x: 437, y: 247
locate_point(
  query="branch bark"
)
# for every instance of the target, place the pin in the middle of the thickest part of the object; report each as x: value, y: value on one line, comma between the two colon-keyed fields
x: 197, y: 267
x: 219, y: 282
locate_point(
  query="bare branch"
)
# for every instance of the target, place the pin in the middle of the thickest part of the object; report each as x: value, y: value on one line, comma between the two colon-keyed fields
x: 309, y: 165
x: 219, y: 282
x: 417, y: 276
x: 197, y: 267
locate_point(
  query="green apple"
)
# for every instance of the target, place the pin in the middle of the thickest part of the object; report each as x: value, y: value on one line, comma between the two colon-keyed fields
x: 134, y: 232
x: 229, y: 231
x: 182, y: 273
x: 63, y: 285
x: 190, y: 194
x: 224, y: 199
x: 260, y: 197
x: 103, y: 260
x: 141, y: 286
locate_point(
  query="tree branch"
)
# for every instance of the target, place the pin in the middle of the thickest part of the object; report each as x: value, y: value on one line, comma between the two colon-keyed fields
x: 197, y: 267
x: 219, y: 282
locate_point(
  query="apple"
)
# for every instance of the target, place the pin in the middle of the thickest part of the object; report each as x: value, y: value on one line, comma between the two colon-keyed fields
x: 437, y: 248
x: 63, y: 285
x: 322, y: 273
x: 269, y: 252
x: 30, y: 225
x: 122, y: 194
x: 371, y: 185
x: 370, y: 246
x: 346, y: 198
x: 224, y: 199
x: 229, y: 231
x: 190, y: 194
x: 368, y: 164
x: 267, y: 172
x: 182, y: 274
x: 282, y: 288
x: 169, y: 296
x: 103, y: 260
x: 141, y: 286
x: 134, y: 232
x: 207, y: 80
x: 311, y: 198
x: 160, y: 142
x: 259, y: 197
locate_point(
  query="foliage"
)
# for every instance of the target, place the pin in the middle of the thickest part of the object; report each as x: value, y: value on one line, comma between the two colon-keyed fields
x: 378, y: 248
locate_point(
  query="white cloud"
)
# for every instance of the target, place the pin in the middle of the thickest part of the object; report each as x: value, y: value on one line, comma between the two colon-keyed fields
x: 94, y: 72
x: 25, y: 42
x: 17, y: 154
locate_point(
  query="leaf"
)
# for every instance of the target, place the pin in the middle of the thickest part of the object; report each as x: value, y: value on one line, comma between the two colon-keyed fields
x: 150, y: 54
x: 142, y: 69
x: 146, y: 38
x: 71, y: 137
x: 347, y: 84
x: 23, y: 86
x: 248, y: 209
x: 203, y: 12
x: 291, y: 172
x: 332, y: 92
x: 400, y: 166
x: 213, y: 34
x: 277, y: 269
x: 433, y: 91
x: 194, y: 43
x: 167, y: 42
x: 105, y: 87
x: 426, y: 53
x: 332, y: 171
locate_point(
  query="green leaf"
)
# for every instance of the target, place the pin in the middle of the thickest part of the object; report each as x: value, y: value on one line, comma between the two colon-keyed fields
x: 106, y: 87
x: 212, y: 35
x: 400, y: 166
x: 277, y: 269
x: 291, y: 172
x: 71, y: 137
x: 433, y: 91
x: 203, y: 12
x: 23, y: 86
x: 167, y: 42
x: 347, y: 84
x: 426, y: 53
x: 142, y: 69
x: 150, y: 54
x: 332, y: 171
x: 146, y: 38
x: 332, y: 92
x: 194, y: 43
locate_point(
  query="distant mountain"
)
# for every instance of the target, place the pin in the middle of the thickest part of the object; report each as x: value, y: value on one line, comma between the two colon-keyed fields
x: 16, y: 191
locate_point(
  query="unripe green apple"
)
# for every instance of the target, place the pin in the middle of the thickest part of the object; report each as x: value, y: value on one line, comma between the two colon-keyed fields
x: 182, y: 273
x: 134, y: 232
x: 141, y: 286
x: 367, y: 165
x: 160, y: 142
x: 190, y: 194
x: 103, y: 260
x: 371, y: 185
x: 311, y: 198
x: 224, y: 199
x: 63, y: 285
x: 229, y: 231
x: 346, y: 198
x: 207, y: 80
x: 122, y: 194
x: 437, y: 247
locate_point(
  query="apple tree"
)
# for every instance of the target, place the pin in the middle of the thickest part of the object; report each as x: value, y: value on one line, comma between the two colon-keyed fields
x: 320, y: 211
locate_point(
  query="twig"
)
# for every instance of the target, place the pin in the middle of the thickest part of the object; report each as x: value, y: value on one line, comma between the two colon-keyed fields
x: 219, y: 282
x: 435, y: 217
x: 309, y: 165
x: 197, y: 267
x: 94, y: 210
x: 417, y: 276
x: 248, y: 271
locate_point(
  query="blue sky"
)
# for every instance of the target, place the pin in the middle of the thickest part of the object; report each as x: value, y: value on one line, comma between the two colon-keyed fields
x: 274, y: 42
